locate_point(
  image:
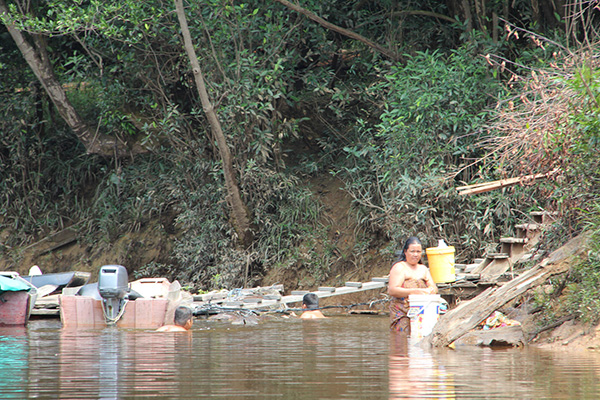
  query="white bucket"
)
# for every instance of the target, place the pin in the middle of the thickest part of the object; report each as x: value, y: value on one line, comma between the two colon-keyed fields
x: 424, y: 312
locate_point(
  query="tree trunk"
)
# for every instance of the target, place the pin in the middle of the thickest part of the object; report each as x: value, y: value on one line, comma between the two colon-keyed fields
x: 466, y: 6
x: 535, y: 13
x: 39, y: 62
x: 240, y: 214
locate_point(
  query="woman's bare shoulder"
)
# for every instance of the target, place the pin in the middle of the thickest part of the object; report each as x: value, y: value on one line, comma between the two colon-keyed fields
x: 399, y: 265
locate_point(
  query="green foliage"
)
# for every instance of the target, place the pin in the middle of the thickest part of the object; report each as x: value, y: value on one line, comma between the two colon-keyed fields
x: 582, y: 139
x: 433, y: 111
x: 285, y: 213
x: 584, y: 277
x: 43, y: 178
x: 585, y: 121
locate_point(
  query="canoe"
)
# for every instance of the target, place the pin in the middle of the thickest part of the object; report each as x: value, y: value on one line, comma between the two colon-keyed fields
x: 60, y: 279
x: 17, y: 298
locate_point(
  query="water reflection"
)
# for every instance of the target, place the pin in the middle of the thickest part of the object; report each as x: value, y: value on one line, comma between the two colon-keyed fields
x: 14, y: 352
x: 338, y: 358
x: 112, y: 363
x: 414, y: 373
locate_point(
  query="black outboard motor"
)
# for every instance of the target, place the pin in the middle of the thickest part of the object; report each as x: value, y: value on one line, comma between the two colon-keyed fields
x: 113, y: 288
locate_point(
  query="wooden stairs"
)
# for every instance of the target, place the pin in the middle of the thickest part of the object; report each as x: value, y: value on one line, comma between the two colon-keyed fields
x: 499, y: 265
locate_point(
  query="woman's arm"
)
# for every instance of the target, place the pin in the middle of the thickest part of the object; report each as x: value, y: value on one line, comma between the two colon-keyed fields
x: 395, y: 288
x: 431, y: 286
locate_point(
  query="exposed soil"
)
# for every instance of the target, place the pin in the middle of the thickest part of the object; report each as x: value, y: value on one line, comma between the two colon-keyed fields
x: 131, y: 250
x: 570, y: 335
x: 347, y: 264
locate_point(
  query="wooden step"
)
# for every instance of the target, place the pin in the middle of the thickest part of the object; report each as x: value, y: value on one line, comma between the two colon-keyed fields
x: 384, y: 279
x: 543, y: 217
x: 514, y: 240
x: 497, y: 256
x: 329, y: 289
x: 471, y: 267
x: 299, y: 292
x: 513, y: 246
x: 528, y: 227
x: 496, y: 268
x: 459, y: 267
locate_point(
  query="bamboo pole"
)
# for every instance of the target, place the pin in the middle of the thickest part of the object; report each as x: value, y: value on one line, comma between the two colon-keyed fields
x: 493, y: 185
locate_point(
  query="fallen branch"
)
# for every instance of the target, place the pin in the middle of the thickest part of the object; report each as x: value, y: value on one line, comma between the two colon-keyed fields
x: 551, y: 326
x: 312, y: 16
x: 426, y: 14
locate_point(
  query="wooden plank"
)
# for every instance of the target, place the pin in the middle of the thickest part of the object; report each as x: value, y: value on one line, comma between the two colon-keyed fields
x: 326, y: 289
x: 373, y: 285
x: 291, y: 299
x: 346, y: 290
x: 468, y: 314
x: 299, y: 292
x: 46, y: 312
x: 297, y: 295
x: 211, y: 297
x: 56, y: 241
x: 354, y: 284
x: 384, y: 279
x: 528, y: 227
x: 496, y: 268
x: 498, y: 255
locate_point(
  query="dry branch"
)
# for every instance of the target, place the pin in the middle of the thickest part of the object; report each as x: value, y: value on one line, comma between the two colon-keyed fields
x: 312, y: 16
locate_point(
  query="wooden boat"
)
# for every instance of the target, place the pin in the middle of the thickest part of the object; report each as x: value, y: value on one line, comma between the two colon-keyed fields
x: 154, y: 309
x: 17, y: 298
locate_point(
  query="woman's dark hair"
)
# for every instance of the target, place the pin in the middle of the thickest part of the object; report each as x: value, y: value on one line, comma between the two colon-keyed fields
x: 409, y: 241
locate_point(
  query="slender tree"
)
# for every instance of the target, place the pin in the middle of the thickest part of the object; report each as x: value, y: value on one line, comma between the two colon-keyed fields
x: 240, y: 213
x: 38, y: 59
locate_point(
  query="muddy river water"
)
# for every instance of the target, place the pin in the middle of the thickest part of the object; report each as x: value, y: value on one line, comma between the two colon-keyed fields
x: 342, y: 357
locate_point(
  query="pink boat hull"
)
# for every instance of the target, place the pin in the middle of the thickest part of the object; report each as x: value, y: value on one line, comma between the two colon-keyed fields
x: 86, y: 312
x: 14, y: 308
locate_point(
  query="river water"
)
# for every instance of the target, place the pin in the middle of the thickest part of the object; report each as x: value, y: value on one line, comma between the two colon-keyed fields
x: 342, y: 357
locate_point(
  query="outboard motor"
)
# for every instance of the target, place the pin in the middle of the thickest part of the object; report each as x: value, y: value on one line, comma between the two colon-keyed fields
x: 113, y: 288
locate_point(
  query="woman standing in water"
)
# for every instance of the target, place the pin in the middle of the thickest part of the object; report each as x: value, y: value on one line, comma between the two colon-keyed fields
x: 407, y: 277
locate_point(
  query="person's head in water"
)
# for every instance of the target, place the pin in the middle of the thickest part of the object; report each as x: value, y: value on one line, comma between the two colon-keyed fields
x: 310, y: 305
x: 310, y: 301
x: 409, y: 241
x: 183, y: 317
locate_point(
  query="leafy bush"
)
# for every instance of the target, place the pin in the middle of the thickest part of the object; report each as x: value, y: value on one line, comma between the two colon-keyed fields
x: 433, y: 112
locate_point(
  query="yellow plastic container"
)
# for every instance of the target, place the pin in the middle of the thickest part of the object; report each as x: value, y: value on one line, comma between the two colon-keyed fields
x: 441, y: 264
